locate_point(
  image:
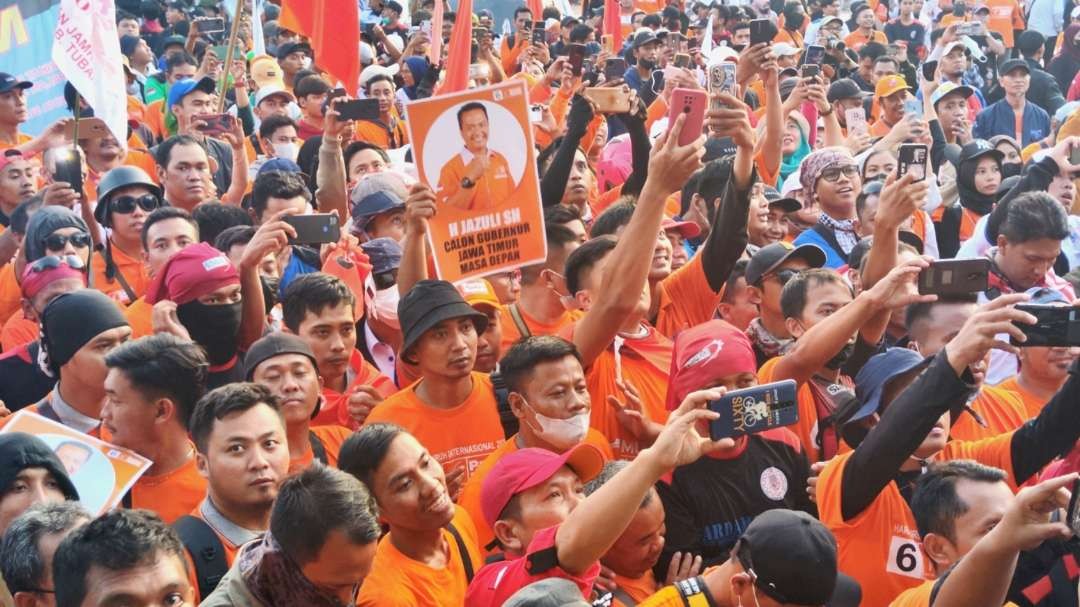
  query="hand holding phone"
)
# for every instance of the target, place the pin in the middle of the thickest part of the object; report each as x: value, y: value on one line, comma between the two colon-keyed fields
x: 912, y: 159
x: 358, y: 109
x: 955, y: 277
x: 575, y: 56
x: 693, y: 103
x: 762, y: 31
x: 756, y: 409
x: 856, y: 121
x: 214, y: 125
x: 1056, y: 325
x: 68, y: 168
x: 319, y: 228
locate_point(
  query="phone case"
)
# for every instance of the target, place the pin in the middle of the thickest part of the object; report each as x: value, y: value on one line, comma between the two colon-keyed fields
x: 912, y: 158
x: 614, y: 69
x: 320, y: 228
x: 856, y: 121
x: 575, y: 54
x: 692, y: 102
x: 358, y: 109
x: 913, y: 107
x: 814, y: 55
x: 609, y: 100
x: 1055, y: 326
x: 754, y: 410
x: 955, y: 277
x: 762, y: 30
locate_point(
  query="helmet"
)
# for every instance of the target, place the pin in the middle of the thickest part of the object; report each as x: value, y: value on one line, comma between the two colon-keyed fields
x: 121, y: 176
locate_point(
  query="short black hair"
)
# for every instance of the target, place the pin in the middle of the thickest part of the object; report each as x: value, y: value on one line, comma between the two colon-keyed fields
x: 271, y: 124
x: 163, y: 152
x: 21, y: 215
x: 276, y: 184
x: 887, y: 59
x: 468, y: 107
x: 162, y: 214
x: 214, y: 218
x: 313, y: 292
x: 1034, y: 216
x: 925, y: 309
x: 125, y: 16
x: 516, y: 366
x: 936, y: 505
x: 356, y: 147
x: 361, y: 454
x: 550, y: 12
x: 872, y: 50
x: 732, y: 282
x: 21, y: 562
x: 793, y: 297
x: 652, y: 20
x: 313, y: 504
x: 378, y: 78
x: 175, y: 60
x: 163, y: 365
x: 613, y: 218
x: 584, y: 258
x: 561, y: 214
x: 522, y: 9
x: 231, y: 398
x: 607, y: 473
x: 580, y: 33
x: 118, y: 540
x: 230, y: 237
x: 740, y: 25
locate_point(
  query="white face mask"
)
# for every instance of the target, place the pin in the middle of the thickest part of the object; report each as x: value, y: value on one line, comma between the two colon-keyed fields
x: 382, y: 305
x: 288, y: 151
x: 561, y: 433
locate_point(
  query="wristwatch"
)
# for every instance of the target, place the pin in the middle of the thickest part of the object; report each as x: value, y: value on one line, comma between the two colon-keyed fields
x: 467, y: 183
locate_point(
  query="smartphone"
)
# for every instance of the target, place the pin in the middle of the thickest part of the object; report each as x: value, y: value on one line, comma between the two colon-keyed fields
x: 575, y: 56
x: 929, y: 68
x: 721, y: 80
x: 913, y: 107
x: 1056, y: 325
x: 210, y: 25
x: 68, y: 168
x: 756, y: 409
x: 1072, y: 517
x: 607, y: 42
x: 691, y: 102
x: 538, y: 33
x: 609, y: 100
x: 968, y: 29
x: 614, y: 69
x: 809, y: 71
x: 954, y: 277
x: 912, y: 159
x: 682, y: 60
x: 319, y: 228
x: 762, y: 30
x: 215, y: 124
x: 536, y: 113
x: 425, y: 27
x: 358, y: 109
x: 814, y: 55
x: 89, y: 128
x: 856, y: 121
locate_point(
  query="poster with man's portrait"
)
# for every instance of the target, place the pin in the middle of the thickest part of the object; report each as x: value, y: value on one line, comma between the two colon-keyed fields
x: 475, y: 150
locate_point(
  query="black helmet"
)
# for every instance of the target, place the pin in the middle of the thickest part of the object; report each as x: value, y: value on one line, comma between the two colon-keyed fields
x: 121, y: 176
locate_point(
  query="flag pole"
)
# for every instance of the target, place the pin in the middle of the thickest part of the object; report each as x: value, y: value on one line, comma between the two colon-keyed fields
x: 233, y: 33
x: 75, y: 134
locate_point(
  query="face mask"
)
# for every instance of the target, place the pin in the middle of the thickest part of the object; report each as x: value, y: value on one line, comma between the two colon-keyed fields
x: 561, y: 433
x: 841, y: 357
x: 215, y: 328
x: 286, y: 150
x: 382, y: 306
x: 1010, y: 169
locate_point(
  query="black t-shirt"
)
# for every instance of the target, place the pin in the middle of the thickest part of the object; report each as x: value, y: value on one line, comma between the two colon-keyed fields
x: 709, y: 503
x: 235, y: 373
x: 22, y: 382
x: 914, y: 35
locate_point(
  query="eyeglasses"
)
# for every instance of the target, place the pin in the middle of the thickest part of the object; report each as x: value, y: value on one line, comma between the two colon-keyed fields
x: 781, y: 276
x: 56, y: 242
x: 832, y: 174
x: 51, y: 262
x: 125, y: 205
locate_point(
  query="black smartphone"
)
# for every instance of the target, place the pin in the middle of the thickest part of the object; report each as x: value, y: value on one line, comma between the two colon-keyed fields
x: 320, y: 228
x: 929, y: 68
x: 538, y: 33
x: 952, y: 277
x: 614, y: 69
x: 1054, y: 326
x: 575, y: 55
x: 210, y: 25
x: 1072, y: 516
x: 358, y: 109
x: 756, y: 409
x: 215, y: 124
x: 912, y: 159
x: 68, y: 168
x: 762, y: 30
x: 814, y: 55
x: 809, y: 70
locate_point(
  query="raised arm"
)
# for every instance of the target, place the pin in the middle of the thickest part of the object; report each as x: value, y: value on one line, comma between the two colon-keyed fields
x: 331, y: 177
x: 419, y: 208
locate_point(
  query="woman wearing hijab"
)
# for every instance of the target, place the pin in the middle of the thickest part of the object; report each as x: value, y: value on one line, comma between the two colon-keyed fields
x: 794, y: 146
x: 978, y: 175
x: 1067, y: 63
x: 416, y: 68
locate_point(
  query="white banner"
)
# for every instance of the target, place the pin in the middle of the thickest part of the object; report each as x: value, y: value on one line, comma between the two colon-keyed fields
x: 86, y: 48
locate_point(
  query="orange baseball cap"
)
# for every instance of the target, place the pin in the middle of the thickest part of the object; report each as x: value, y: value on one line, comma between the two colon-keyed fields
x: 890, y: 84
x: 478, y: 292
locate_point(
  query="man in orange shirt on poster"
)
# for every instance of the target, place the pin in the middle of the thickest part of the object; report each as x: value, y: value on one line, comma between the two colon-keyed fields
x: 476, y: 178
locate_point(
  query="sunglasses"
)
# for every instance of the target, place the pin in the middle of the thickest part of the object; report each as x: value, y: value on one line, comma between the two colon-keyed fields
x: 51, y: 262
x: 832, y: 174
x: 781, y: 276
x: 56, y: 242
x: 125, y: 205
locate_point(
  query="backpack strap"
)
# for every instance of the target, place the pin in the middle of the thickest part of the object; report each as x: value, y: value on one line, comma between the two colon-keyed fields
x: 466, y: 556
x: 317, y: 447
x: 830, y: 238
x: 206, y: 550
x: 519, y: 322
x: 509, y: 422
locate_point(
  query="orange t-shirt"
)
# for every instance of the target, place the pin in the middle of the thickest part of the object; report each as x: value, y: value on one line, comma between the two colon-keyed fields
x: 639, y: 589
x: 396, y: 579
x: 10, y: 293
x: 1033, y: 405
x: 918, y: 596
x: 856, y: 40
x: 880, y: 546
x: 879, y: 128
x: 1005, y: 16
x: 138, y: 315
x: 134, y: 271
x: 807, y: 427
x: 968, y: 219
x: 335, y: 409
x: 461, y: 436
x: 331, y: 437
x: 492, y: 189
x: 18, y: 330
x: 1002, y: 410
x: 686, y: 299
x: 470, y: 493
x: 380, y: 135
x: 173, y: 494
x: 20, y: 139
x: 511, y: 334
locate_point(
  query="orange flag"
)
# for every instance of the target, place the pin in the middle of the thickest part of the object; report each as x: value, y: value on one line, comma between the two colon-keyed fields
x: 435, y: 48
x: 613, y: 24
x: 537, y: 8
x: 457, y: 62
x: 333, y: 26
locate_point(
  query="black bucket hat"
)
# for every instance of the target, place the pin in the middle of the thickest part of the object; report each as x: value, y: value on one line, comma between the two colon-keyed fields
x: 427, y: 304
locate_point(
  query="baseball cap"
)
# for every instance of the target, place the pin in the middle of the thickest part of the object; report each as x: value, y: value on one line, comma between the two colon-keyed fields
x: 526, y: 468
x: 768, y: 258
x: 783, y: 49
x: 775, y: 199
x: 955, y: 43
x: 9, y: 82
x: 703, y: 353
x: 273, y: 345
x: 971, y: 150
x: 383, y: 253
x: 688, y: 229
x: 1075, y: 13
x: 427, y: 304
x: 373, y: 204
x: 876, y: 374
x: 1014, y: 64
x: 980, y: 7
x: 279, y: 164
x: 479, y: 293
x: 182, y: 88
x: 272, y: 90
x: 378, y: 70
x: 644, y: 36
x: 947, y: 88
x: 549, y: 592
x: 294, y: 47
x: 265, y: 71
x: 844, y: 88
x: 168, y: 41
x: 890, y: 84
x: 191, y: 273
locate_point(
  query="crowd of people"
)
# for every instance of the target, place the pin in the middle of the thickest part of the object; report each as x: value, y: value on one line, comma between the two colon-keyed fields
x: 331, y: 425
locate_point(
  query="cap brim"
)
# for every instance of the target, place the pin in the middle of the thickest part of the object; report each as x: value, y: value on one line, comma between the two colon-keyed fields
x: 811, y: 254
x: 688, y: 229
x: 453, y: 309
x: 787, y: 205
x: 873, y: 401
x: 911, y: 238
x: 847, y: 593
x: 22, y: 84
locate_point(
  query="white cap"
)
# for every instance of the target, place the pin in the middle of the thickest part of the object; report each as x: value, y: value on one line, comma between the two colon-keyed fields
x: 271, y: 90
x: 783, y: 49
x: 720, y: 54
x: 378, y: 70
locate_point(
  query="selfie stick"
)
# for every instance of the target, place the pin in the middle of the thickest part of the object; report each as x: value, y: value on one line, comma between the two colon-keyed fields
x: 233, y: 32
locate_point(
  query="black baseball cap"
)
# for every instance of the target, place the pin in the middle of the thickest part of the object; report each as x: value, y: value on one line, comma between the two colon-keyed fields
x: 10, y: 83
x: 294, y: 47
x: 273, y: 345
x: 775, y: 199
x: 770, y: 257
x: 972, y: 150
x: 844, y: 88
x: 427, y: 304
x: 1014, y: 64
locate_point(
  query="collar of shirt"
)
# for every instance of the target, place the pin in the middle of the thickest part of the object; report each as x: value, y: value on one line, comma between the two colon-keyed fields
x: 69, y: 416
x: 236, y: 534
x: 381, y: 352
x: 844, y: 230
x: 467, y: 156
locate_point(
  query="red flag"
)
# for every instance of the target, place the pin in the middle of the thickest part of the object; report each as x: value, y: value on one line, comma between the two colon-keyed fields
x: 333, y: 26
x: 537, y: 8
x: 435, y: 48
x: 457, y: 62
x: 613, y: 24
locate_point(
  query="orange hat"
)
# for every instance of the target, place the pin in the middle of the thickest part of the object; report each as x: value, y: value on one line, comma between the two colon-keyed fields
x: 478, y: 292
x: 889, y: 85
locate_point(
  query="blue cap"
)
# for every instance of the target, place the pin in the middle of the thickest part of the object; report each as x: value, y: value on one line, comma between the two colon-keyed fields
x: 384, y: 254
x: 374, y: 204
x: 181, y: 88
x: 9, y: 82
x: 279, y: 164
x: 878, y: 372
x: 1046, y: 295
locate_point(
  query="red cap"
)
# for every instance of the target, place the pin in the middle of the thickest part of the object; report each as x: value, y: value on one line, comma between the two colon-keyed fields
x: 33, y: 282
x: 704, y: 353
x: 526, y: 468
x: 688, y: 229
x: 197, y: 270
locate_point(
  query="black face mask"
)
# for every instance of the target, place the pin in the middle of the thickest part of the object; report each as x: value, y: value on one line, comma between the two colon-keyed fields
x: 1009, y: 169
x: 215, y: 328
x: 841, y: 357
